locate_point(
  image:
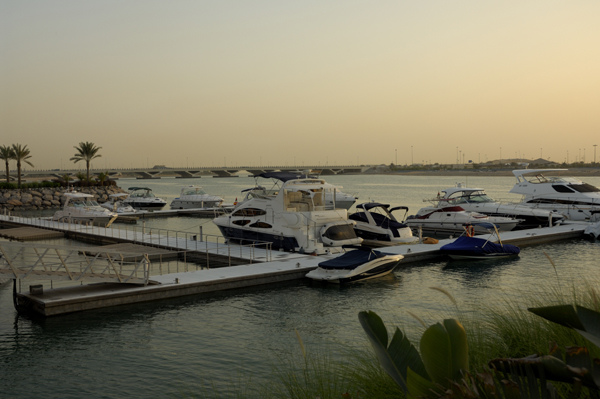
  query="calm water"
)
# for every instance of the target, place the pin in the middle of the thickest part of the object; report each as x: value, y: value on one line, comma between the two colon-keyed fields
x: 161, y: 349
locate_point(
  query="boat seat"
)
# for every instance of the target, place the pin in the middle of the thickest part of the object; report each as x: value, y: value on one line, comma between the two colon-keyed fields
x: 300, y: 206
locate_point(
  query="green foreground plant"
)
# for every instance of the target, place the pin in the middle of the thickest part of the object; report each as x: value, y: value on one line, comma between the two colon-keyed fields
x: 441, y: 369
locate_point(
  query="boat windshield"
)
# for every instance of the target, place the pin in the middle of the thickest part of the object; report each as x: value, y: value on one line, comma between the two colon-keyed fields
x: 540, y: 178
x: 469, y: 197
x: 82, y: 203
x: 144, y: 194
x: 194, y: 191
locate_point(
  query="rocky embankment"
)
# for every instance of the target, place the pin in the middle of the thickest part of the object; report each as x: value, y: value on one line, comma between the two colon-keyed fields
x: 48, y: 198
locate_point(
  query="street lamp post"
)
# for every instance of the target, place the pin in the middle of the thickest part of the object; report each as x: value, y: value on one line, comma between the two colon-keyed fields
x: 396, y: 164
x: 412, y: 159
x: 595, y: 145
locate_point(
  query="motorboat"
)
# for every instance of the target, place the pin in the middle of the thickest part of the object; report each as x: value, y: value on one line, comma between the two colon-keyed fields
x: 195, y: 197
x: 451, y: 219
x: 356, y: 265
x: 377, y: 226
x: 292, y: 216
x: 338, y: 199
x: 476, y: 200
x: 115, y: 203
x: 82, y: 207
x: 143, y: 198
x: 566, y: 195
x: 466, y: 247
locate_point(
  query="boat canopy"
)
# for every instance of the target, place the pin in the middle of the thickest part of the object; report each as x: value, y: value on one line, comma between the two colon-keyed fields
x: 74, y: 195
x: 351, y: 260
x: 370, y: 205
x: 479, y: 246
x: 139, y: 188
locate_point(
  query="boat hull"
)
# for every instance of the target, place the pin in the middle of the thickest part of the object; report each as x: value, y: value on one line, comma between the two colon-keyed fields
x: 376, y: 268
x: 245, y: 236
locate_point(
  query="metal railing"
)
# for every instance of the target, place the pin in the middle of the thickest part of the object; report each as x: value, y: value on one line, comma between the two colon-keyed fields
x: 250, y: 250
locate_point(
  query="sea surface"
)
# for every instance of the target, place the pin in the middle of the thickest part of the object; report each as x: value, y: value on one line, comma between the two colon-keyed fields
x: 172, y: 348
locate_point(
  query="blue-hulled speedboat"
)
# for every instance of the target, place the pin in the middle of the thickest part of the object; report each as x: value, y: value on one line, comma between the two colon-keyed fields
x: 359, y: 264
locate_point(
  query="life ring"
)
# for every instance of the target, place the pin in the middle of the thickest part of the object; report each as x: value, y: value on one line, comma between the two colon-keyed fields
x: 470, y: 230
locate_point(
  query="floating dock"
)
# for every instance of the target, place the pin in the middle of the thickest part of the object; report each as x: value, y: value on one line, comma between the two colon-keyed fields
x: 30, y: 234
x: 276, y: 268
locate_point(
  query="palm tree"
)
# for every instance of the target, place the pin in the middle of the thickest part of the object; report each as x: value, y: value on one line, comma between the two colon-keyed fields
x: 6, y: 154
x: 86, y: 152
x: 21, y: 153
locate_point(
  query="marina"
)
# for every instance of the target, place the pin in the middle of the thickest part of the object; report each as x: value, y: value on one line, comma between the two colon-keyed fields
x: 210, y: 299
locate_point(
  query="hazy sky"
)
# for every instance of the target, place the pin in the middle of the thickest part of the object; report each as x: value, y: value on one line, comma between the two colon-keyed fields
x: 314, y: 82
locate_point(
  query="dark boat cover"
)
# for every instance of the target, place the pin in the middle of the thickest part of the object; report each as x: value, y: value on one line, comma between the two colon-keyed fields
x: 351, y: 260
x: 476, y: 246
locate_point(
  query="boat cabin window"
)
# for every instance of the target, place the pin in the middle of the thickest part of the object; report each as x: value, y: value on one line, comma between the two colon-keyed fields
x: 585, y: 188
x: 241, y: 222
x: 560, y: 188
x: 245, y: 212
x: 305, y: 200
x: 261, y: 225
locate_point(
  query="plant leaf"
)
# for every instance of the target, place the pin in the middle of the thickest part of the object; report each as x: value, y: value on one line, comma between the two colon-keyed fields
x: 590, y: 319
x: 377, y: 334
x: 565, y: 315
x: 418, y: 387
x: 436, y: 353
x: 459, y: 347
x: 405, y: 355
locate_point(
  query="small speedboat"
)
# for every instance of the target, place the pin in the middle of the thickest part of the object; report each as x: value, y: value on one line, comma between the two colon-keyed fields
x: 143, y: 198
x: 115, y: 203
x: 466, y: 247
x: 377, y: 226
x: 359, y: 264
x: 195, y: 197
x: 82, y: 207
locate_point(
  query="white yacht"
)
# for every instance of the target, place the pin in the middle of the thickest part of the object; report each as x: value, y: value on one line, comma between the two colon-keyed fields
x: 115, y: 203
x: 567, y: 195
x: 452, y: 219
x: 195, y: 197
x: 82, y: 207
x: 338, y: 199
x: 476, y: 200
x: 293, y: 215
x: 143, y: 198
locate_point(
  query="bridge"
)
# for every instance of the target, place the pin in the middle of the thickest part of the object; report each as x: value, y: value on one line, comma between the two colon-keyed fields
x: 157, y: 172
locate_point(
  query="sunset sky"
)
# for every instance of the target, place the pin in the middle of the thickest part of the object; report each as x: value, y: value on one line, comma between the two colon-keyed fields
x: 340, y: 82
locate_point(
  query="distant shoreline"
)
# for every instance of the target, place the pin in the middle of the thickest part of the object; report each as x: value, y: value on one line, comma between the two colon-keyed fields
x: 485, y: 173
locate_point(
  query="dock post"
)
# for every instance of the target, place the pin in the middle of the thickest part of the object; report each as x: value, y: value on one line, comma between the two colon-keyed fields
x: 201, y: 233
